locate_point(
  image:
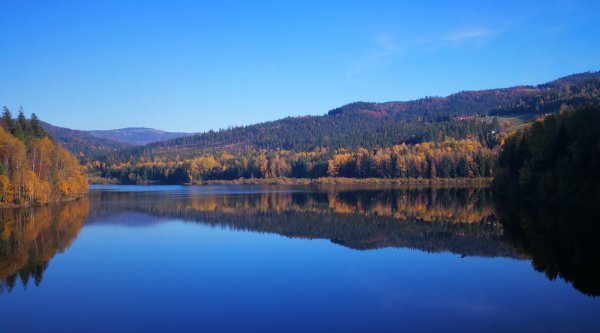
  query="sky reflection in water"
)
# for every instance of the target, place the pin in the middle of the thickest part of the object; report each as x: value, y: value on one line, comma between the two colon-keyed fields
x: 276, y: 259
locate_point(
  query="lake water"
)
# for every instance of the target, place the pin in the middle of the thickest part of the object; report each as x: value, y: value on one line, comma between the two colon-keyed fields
x: 291, y: 259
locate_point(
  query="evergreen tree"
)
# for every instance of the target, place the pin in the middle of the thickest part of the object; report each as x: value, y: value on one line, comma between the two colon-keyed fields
x: 7, y: 120
x: 22, y: 128
x: 36, y: 127
x: 18, y: 131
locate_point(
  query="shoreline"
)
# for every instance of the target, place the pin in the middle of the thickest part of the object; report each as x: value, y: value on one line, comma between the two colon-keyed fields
x: 328, y: 181
x: 47, y: 203
x: 350, y: 181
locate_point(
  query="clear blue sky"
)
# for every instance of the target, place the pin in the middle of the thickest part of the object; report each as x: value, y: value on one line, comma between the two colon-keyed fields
x: 194, y: 65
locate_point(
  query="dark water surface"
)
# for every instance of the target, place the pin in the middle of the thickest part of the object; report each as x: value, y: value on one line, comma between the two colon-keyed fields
x: 292, y: 259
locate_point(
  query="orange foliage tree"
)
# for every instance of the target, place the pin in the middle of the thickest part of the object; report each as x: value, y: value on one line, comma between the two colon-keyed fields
x: 35, y: 170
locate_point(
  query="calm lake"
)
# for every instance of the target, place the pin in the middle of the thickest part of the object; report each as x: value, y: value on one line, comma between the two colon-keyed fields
x: 293, y: 259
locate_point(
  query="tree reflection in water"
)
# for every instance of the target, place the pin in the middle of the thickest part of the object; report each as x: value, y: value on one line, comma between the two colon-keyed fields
x: 30, y: 237
x: 562, y: 241
x: 457, y: 220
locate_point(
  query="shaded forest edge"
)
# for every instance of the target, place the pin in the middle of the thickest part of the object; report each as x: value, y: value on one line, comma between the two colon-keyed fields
x: 547, y: 195
x: 33, y: 169
x: 562, y: 241
x: 554, y: 161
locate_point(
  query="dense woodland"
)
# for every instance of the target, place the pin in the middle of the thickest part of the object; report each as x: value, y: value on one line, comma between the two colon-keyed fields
x: 348, y: 131
x: 555, y: 159
x: 33, y: 169
x: 447, y: 159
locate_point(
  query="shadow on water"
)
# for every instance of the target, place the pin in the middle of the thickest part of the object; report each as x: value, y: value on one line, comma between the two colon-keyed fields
x: 562, y: 241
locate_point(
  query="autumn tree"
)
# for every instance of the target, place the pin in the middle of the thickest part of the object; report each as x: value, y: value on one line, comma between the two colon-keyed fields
x: 33, y: 169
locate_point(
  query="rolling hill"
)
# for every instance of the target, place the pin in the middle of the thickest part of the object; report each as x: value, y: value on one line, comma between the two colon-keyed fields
x: 371, y: 125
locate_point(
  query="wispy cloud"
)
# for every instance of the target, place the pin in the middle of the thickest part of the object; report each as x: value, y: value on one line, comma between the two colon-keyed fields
x: 385, y: 43
x: 387, y: 46
x: 475, y: 35
x: 382, y: 48
x: 468, y: 35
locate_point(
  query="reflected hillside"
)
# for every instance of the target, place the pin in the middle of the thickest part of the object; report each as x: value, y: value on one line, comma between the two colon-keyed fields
x: 562, y: 241
x: 434, y: 220
x: 30, y: 237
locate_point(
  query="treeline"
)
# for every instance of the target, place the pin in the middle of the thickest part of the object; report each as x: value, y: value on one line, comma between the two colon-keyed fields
x: 33, y: 169
x: 301, y: 134
x: 574, y: 90
x: 556, y: 159
x: 448, y: 159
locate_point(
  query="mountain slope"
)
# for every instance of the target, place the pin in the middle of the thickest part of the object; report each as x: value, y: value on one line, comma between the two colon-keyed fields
x: 136, y: 135
x: 372, y: 125
x: 575, y: 89
x: 81, y: 143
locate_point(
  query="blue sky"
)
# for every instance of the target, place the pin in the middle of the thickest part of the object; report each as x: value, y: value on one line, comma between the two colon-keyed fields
x: 193, y: 66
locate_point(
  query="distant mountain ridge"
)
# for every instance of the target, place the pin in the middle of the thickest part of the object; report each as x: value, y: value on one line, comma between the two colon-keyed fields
x: 98, y: 142
x: 137, y: 135
x: 82, y: 143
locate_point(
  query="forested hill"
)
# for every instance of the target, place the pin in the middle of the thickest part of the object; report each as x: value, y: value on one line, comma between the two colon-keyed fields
x: 575, y: 90
x: 372, y: 125
x: 554, y: 160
